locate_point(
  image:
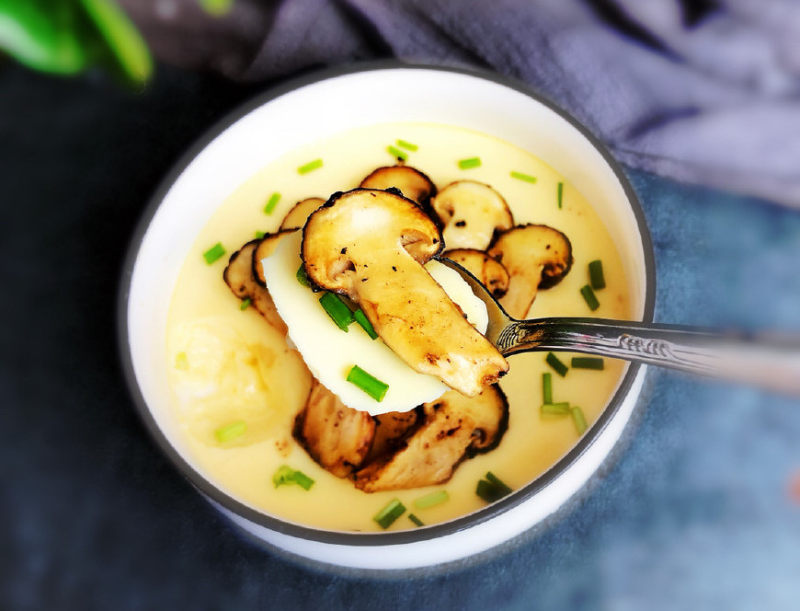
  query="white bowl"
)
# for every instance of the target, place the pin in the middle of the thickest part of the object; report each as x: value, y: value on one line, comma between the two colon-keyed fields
x: 313, y: 108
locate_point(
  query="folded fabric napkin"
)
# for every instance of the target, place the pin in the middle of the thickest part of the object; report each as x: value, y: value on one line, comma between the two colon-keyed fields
x: 705, y: 91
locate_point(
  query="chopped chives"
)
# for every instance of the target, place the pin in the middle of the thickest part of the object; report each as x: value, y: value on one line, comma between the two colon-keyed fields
x: 302, y: 480
x: 362, y: 320
x: 522, y: 176
x: 260, y: 234
x: 245, y: 304
x: 471, y: 162
x: 596, y: 277
x: 547, y: 388
x: 396, y: 152
x: 590, y: 298
x: 368, y: 383
x: 337, y: 310
x: 493, y: 479
x: 386, y: 516
x: 301, y: 276
x: 285, y: 475
x: 214, y: 253
x: 407, y: 145
x: 555, y: 409
x: 432, y: 499
x: 231, y: 431
x: 310, y: 166
x: 587, y: 362
x: 415, y: 519
x: 491, y: 489
x: 579, y: 419
x: 272, y: 202
x: 560, y: 194
x: 182, y: 361
x: 554, y: 362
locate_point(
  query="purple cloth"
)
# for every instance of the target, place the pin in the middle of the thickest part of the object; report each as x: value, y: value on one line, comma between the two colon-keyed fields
x: 707, y: 92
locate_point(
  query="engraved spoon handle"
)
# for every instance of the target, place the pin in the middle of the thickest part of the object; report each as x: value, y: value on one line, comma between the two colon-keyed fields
x: 769, y: 362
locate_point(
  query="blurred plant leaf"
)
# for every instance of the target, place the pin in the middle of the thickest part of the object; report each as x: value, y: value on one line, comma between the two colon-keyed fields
x: 216, y: 7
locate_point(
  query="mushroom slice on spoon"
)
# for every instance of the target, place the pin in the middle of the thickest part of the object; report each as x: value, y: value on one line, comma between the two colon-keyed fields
x: 490, y: 272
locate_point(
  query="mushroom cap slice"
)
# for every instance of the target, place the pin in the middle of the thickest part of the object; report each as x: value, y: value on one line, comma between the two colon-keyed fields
x: 491, y: 273
x: 370, y: 245
x: 297, y: 216
x: 391, y: 430
x: 536, y: 256
x: 264, y: 248
x: 412, y: 183
x: 471, y: 212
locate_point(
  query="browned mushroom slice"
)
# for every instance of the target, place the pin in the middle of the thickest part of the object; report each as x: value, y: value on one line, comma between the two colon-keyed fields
x: 239, y: 277
x: 455, y: 426
x: 491, y: 273
x: 412, y: 183
x: 264, y: 248
x: 336, y: 436
x: 297, y: 216
x: 471, y: 213
x: 536, y: 257
x: 391, y: 429
x: 370, y: 245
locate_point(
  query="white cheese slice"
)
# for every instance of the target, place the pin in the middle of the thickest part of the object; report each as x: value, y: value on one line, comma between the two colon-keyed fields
x: 330, y: 353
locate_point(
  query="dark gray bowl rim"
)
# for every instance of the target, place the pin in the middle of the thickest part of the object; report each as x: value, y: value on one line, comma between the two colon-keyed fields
x: 353, y: 538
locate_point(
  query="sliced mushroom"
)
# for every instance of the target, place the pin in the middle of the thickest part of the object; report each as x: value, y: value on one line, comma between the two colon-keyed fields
x: 455, y: 427
x: 370, y: 245
x: 412, y: 183
x: 297, y: 216
x: 239, y: 277
x: 491, y: 273
x: 471, y: 213
x: 536, y: 257
x: 264, y: 248
x: 391, y: 429
x: 336, y: 436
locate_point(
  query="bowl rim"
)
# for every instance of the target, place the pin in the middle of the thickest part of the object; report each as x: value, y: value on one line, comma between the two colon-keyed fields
x: 277, y: 524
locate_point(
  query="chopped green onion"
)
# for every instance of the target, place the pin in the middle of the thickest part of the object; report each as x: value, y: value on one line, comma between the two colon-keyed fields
x: 491, y: 489
x: 471, y: 162
x: 590, y: 298
x: 285, y: 475
x: 547, y: 388
x: 559, y: 367
x: 301, y: 276
x: 231, y: 431
x: 181, y: 361
x: 415, y: 519
x: 386, y: 516
x: 596, y: 277
x: 587, y: 362
x: 245, y: 304
x: 407, y: 145
x: 493, y: 479
x: 260, y: 234
x: 555, y: 409
x: 272, y: 202
x: 432, y: 499
x: 579, y: 419
x: 362, y: 320
x: 214, y: 253
x: 560, y: 194
x: 310, y: 166
x: 369, y: 384
x: 396, y: 152
x: 522, y: 176
x: 302, y: 480
x: 337, y: 310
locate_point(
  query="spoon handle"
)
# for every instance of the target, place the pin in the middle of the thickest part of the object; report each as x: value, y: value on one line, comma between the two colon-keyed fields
x: 770, y: 362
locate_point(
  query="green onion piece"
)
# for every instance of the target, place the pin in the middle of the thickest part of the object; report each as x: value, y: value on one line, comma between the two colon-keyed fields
x: 301, y: 276
x: 310, y: 166
x: 182, y: 361
x: 407, y: 145
x: 471, y: 162
x: 286, y: 475
x: 493, y: 479
x: 386, y: 516
x: 231, y: 431
x: 596, y: 277
x: 272, y: 202
x: 260, y: 234
x: 337, y: 310
x: 555, y: 409
x: 214, y: 253
x: 245, y: 304
x: 396, y: 152
x: 560, y: 194
x: 369, y: 384
x: 522, y: 176
x: 415, y: 519
x: 489, y: 492
x: 579, y: 419
x: 587, y: 362
x: 590, y: 298
x: 432, y: 499
x: 555, y: 363
x: 547, y: 388
x: 302, y: 480
x: 362, y: 320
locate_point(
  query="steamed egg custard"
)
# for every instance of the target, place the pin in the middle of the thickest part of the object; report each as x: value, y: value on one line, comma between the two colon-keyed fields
x: 328, y: 370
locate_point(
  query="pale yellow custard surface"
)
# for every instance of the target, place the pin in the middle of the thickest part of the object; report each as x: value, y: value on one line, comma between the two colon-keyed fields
x: 228, y: 365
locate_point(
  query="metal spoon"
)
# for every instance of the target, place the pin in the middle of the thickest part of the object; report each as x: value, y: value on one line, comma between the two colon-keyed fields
x: 771, y: 362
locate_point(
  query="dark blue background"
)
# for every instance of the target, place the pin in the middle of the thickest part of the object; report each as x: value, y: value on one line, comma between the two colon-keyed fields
x: 695, y: 513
